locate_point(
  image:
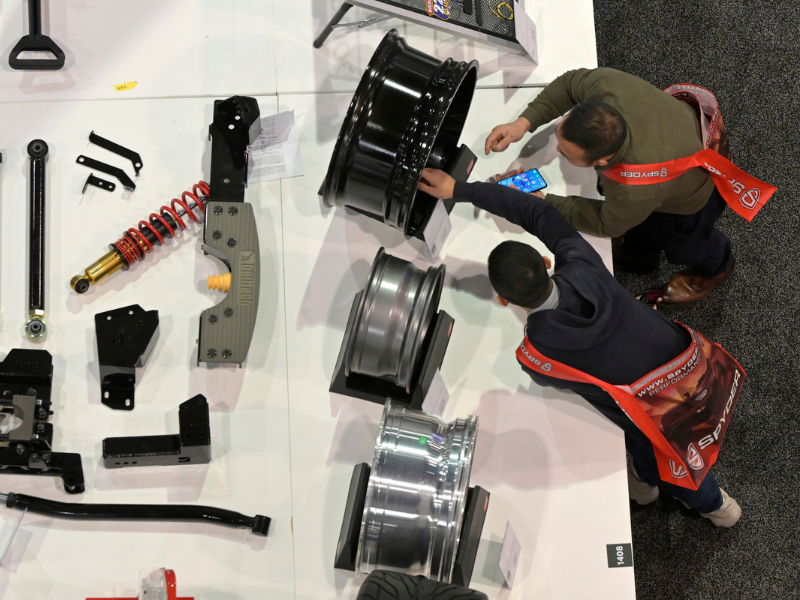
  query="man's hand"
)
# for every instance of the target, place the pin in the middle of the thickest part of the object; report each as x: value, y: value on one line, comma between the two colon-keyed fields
x: 498, y: 177
x: 503, y: 136
x: 651, y: 298
x: 436, y: 183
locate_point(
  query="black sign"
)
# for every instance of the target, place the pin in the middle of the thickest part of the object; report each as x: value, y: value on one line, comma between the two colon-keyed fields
x: 619, y: 555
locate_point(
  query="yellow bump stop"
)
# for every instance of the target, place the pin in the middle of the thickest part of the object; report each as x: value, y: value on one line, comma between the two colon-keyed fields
x: 219, y: 282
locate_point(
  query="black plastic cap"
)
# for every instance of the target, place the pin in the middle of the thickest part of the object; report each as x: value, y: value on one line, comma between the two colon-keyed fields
x: 82, y: 286
x: 261, y: 526
x: 37, y: 149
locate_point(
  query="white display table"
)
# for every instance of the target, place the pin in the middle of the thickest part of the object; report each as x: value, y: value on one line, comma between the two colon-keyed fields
x: 555, y: 467
x: 282, y: 445
x: 180, y: 48
x: 249, y: 472
x: 565, y: 33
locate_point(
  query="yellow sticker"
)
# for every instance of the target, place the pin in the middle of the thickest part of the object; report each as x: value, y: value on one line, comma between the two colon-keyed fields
x: 125, y: 86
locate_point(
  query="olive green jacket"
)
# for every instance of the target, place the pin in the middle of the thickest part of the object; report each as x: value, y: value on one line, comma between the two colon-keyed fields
x: 660, y: 128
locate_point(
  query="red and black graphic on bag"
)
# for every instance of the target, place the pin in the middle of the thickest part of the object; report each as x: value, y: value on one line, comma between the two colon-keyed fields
x: 691, y: 401
x: 684, y: 407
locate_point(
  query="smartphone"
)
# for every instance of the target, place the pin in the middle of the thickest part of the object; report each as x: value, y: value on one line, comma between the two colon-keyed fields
x: 529, y: 181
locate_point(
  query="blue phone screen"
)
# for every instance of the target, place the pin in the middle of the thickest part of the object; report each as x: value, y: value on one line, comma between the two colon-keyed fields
x: 529, y: 181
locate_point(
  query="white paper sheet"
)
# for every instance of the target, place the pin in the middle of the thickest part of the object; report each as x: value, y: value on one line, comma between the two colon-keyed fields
x: 525, y: 30
x: 509, y: 555
x: 437, y: 230
x: 276, y: 152
x: 436, y: 399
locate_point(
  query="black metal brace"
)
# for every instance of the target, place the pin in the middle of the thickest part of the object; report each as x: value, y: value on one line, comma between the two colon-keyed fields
x: 122, y: 151
x: 191, y: 446
x: 125, y: 339
x: 26, y: 380
x: 36, y: 327
x: 121, y: 175
x: 258, y: 525
x: 99, y: 183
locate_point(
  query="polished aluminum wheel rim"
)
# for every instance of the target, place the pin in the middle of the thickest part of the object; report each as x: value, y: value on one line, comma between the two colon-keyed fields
x: 417, y: 493
x: 394, y: 315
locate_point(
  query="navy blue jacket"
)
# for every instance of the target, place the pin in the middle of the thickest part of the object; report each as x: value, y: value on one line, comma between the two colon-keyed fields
x: 597, y: 327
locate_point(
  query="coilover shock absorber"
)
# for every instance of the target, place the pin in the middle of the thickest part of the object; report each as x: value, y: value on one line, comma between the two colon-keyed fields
x: 136, y: 242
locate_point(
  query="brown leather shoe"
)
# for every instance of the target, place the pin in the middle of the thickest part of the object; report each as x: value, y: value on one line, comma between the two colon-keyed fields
x: 631, y: 262
x: 689, y: 286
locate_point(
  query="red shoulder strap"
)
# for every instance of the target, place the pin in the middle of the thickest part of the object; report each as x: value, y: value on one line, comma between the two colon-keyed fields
x: 744, y: 193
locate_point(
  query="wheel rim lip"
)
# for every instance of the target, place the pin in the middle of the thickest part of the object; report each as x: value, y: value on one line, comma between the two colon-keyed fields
x: 456, y: 514
x: 428, y: 137
x: 351, y: 342
x: 437, y: 560
x: 429, y: 292
x: 368, y: 498
x: 366, y: 91
x: 436, y: 98
x: 398, y: 298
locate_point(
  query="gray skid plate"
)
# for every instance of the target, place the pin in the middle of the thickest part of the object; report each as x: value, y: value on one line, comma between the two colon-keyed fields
x: 227, y: 328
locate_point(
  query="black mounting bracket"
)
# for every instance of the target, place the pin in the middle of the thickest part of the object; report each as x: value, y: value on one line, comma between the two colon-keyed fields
x: 377, y: 390
x: 236, y: 125
x: 122, y: 151
x: 121, y: 175
x: 125, y: 339
x: 191, y: 446
x: 26, y: 380
x: 99, y: 183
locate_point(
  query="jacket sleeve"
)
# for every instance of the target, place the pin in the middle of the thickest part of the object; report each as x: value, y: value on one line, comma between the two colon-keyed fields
x: 622, y: 209
x: 534, y: 215
x: 560, y: 96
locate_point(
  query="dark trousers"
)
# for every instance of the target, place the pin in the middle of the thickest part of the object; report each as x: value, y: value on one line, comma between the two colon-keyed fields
x: 707, y: 498
x: 685, y: 239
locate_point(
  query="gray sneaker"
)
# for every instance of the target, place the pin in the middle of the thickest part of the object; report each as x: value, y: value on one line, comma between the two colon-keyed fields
x: 726, y: 515
x: 640, y: 492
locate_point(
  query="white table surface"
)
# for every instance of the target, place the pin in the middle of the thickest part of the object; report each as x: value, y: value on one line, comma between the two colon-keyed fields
x: 565, y: 31
x: 249, y: 472
x: 179, y: 48
x: 283, y: 445
x: 555, y: 467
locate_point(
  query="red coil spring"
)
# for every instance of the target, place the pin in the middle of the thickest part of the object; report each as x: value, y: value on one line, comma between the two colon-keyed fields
x: 133, y: 244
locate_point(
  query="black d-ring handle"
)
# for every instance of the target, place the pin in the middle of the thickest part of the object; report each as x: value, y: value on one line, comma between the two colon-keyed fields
x: 35, y: 41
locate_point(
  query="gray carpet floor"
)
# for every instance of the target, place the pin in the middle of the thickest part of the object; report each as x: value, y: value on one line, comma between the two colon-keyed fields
x: 748, y: 54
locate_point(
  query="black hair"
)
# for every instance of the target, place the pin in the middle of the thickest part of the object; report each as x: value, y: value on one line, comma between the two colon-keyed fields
x: 595, y: 127
x: 517, y: 272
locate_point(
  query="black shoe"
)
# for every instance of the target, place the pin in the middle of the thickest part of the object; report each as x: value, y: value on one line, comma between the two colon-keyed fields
x: 639, y: 263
